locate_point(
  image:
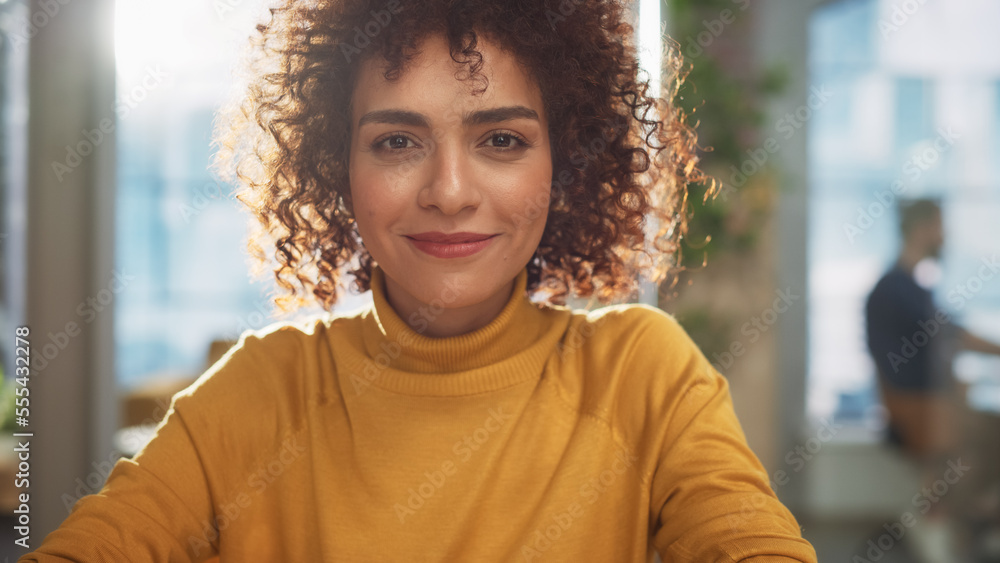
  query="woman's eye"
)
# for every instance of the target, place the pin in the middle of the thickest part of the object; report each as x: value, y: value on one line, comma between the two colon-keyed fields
x: 503, y: 140
x: 394, y: 142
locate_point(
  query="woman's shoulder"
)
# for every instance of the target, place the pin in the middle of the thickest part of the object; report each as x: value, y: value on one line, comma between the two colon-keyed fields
x: 629, y: 324
x: 288, y: 342
x: 628, y: 350
x: 277, y: 344
x: 633, y: 366
x: 266, y: 370
x: 249, y: 404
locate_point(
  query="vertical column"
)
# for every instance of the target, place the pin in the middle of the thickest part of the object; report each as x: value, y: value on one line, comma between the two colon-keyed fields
x: 783, y: 38
x: 69, y: 250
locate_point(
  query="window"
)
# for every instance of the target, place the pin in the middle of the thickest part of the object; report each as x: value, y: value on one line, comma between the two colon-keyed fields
x: 904, y: 75
x: 14, y: 39
x: 180, y: 235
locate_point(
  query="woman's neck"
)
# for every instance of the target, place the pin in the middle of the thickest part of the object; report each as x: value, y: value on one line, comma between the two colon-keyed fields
x: 442, y: 322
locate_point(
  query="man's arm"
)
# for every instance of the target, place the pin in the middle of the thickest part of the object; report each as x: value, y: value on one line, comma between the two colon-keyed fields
x: 974, y: 343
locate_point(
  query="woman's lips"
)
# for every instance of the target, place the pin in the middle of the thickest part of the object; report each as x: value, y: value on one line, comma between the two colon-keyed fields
x: 451, y: 250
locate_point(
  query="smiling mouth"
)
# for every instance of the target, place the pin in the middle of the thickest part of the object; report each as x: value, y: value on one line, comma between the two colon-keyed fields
x: 454, y: 238
x: 459, y: 247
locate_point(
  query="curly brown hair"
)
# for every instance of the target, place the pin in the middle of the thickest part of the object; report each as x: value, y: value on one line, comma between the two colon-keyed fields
x: 620, y: 155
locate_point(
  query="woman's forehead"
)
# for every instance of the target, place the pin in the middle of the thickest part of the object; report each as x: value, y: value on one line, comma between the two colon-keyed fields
x: 433, y: 80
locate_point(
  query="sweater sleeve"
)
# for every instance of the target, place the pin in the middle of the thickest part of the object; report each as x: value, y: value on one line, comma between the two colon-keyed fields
x: 155, y: 507
x: 169, y: 502
x: 710, y: 496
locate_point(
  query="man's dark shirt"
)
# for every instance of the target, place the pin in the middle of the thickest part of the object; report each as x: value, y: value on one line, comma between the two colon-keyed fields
x: 911, y: 347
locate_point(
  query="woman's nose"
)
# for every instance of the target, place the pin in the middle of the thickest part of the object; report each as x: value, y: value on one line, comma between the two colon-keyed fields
x: 451, y: 185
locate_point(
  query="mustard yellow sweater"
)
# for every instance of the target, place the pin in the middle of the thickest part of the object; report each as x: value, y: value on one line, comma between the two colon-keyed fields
x: 550, y: 434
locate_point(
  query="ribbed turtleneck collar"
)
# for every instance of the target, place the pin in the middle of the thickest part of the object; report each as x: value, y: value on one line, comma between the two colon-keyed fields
x: 510, y: 348
x: 508, y: 333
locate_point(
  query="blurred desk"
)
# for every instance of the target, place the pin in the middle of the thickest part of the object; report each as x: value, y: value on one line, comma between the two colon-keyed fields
x: 984, y: 397
x: 981, y: 434
x: 131, y: 439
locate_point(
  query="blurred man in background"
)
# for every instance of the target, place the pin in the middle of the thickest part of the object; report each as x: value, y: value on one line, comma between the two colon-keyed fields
x: 913, y: 344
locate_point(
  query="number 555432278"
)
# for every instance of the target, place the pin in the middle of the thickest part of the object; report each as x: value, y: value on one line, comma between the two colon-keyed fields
x: 22, y: 370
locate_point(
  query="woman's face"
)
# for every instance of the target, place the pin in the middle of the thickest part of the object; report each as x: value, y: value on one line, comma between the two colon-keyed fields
x: 429, y: 157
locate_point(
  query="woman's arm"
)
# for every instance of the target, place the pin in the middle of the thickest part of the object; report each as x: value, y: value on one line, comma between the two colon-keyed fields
x: 153, y: 508
x: 712, y: 495
x: 172, y: 500
x: 711, y: 499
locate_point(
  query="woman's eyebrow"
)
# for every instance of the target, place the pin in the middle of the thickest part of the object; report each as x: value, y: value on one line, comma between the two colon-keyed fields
x: 496, y: 115
x: 393, y: 116
x: 414, y: 119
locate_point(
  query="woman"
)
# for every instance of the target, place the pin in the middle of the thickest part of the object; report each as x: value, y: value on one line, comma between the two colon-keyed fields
x: 454, y: 158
